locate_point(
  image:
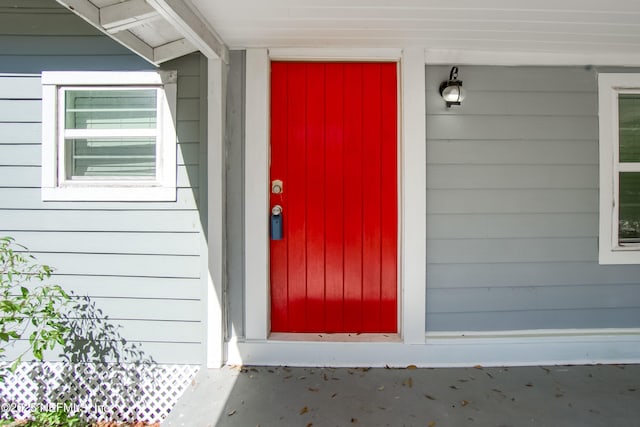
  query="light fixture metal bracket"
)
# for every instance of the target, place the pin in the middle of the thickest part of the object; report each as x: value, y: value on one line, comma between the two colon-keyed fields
x: 451, y: 90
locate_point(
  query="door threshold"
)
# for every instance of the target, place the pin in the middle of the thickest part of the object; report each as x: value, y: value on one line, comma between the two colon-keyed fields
x: 335, y: 337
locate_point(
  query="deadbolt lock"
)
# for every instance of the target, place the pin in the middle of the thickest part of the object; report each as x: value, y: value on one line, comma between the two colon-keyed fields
x: 276, y: 186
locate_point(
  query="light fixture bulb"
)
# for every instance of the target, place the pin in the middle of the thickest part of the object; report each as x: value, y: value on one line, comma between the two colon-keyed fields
x: 453, y: 93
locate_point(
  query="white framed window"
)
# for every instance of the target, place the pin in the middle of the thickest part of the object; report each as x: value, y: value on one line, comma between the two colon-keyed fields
x: 109, y: 136
x: 619, y: 116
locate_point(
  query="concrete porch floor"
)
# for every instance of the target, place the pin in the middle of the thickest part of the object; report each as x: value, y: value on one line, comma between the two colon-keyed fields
x: 554, y: 396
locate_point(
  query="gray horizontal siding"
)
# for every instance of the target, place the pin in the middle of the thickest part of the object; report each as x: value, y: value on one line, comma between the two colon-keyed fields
x: 510, y: 200
x: 512, y: 222
x: 110, y: 242
x: 31, y: 45
x: 459, y: 176
x: 98, y: 264
x: 516, y: 274
x: 163, y: 352
x: 151, y: 310
x: 30, y: 198
x: 587, y: 318
x: 510, y: 226
x: 139, y: 262
x: 35, y: 64
x: 507, y: 250
x: 30, y: 176
x: 101, y: 220
x: 513, y: 152
x: 507, y: 127
x: 134, y: 287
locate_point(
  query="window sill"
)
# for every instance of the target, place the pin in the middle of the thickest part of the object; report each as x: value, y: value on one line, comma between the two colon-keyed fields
x: 623, y: 256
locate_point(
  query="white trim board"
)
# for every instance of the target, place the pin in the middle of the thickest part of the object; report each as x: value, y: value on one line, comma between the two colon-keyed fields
x: 55, y: 183
x: 412, y: 182
x: 509, y: 58
x: 334, y: 54
x: 515, y: 348
x: 216, y: 231
x: 610, y: 87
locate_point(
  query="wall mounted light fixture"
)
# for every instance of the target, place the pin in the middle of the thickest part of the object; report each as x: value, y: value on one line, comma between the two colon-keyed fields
x: 451, y: 90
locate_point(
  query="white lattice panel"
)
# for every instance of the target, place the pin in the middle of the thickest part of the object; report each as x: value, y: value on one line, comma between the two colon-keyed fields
x: 116, y: 392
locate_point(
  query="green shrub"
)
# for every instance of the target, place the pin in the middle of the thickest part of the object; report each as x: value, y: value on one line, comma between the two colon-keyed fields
x: 29, y: 306
x: 57, y: 418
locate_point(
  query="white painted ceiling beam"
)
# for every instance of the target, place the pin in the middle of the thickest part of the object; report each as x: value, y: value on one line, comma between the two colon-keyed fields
x: 90, y: 13
x: 193, y: 26
x: 172, y: 50
x: 84, y: 9
x: 116, y: 20
x: 130, y: 13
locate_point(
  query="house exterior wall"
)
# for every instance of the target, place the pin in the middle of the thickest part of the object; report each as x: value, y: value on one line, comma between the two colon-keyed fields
x: 512, y: 204
x: 141, y: 263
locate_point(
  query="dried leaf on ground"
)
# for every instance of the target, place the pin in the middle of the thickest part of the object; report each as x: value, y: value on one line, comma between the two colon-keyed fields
x: 431, y: 424
x: 304, y: 410
x: 464, y: 402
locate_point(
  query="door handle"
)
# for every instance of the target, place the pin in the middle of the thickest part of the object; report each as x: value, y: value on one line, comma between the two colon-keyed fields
x: 276, y: 223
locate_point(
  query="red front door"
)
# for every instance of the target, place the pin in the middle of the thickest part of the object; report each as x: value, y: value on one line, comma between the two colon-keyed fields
x: 334, y: 176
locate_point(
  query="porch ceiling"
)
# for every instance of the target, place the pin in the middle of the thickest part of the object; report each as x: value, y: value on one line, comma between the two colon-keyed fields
x: 582, y: 27
x: 586, y: 31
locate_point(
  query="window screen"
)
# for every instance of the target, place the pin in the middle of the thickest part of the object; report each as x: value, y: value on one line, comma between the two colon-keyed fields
x: 110, y: 133
x: 629, y: 181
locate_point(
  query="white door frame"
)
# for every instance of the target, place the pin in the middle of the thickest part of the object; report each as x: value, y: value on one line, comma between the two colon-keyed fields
x: 412, y: 150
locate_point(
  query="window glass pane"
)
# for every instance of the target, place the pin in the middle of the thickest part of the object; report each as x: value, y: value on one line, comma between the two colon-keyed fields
x: 110, y: 109
x: 112, y: 157
x: 629, y: 124
x: 629, y: 213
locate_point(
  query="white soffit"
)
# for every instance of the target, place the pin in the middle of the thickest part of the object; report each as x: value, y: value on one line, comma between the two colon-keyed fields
x: 157, y: 30
x: 582, y: 29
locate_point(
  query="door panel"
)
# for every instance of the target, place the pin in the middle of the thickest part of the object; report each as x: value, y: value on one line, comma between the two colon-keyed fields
x: 333, y: 145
